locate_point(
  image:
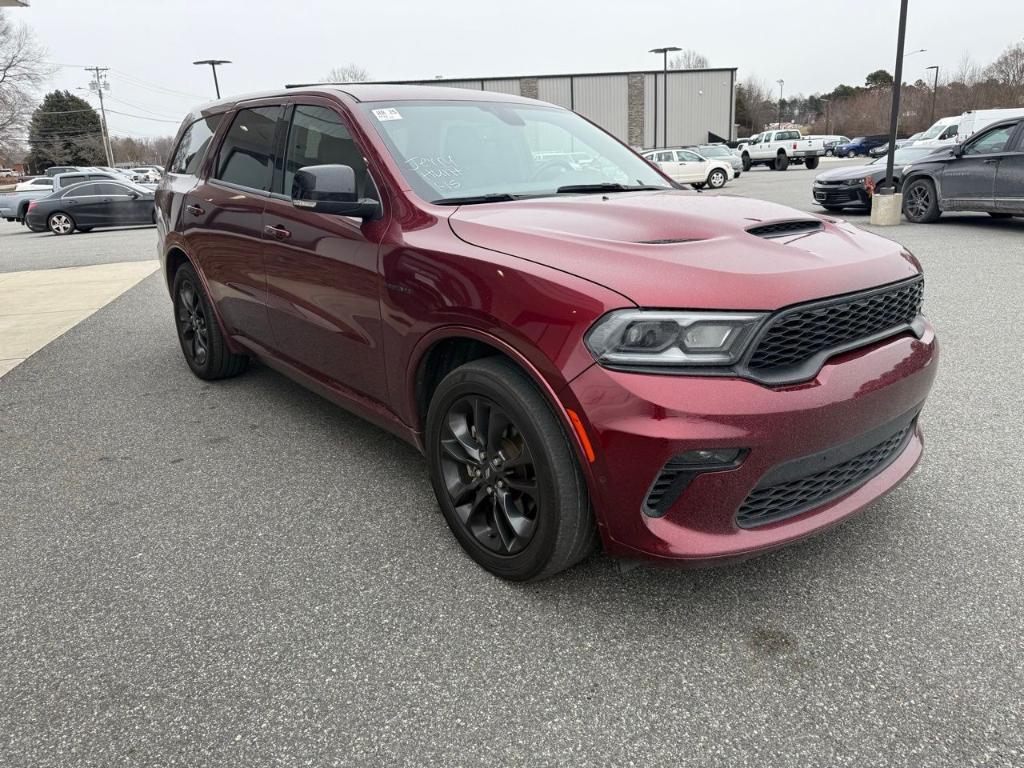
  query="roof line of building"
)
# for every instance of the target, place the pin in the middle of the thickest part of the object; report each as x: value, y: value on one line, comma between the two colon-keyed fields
x: 442, y: 80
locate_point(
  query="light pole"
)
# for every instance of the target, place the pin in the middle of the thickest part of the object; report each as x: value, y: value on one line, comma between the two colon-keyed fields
x: 935, y: 88
x: 664, y: 107
x: 826, y: 102
x: 214, y: 63
x: 781, y: 84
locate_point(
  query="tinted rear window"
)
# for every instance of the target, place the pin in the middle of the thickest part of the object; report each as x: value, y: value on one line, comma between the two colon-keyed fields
x: 246, y: 154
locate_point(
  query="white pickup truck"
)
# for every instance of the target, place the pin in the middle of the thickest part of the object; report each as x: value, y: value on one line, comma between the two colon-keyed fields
x: 777, y: 149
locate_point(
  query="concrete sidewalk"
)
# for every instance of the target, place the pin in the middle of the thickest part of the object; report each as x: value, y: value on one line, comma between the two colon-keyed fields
x: 38, y: 306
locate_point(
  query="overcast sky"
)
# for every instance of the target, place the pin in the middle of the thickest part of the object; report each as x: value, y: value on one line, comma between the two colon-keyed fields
x: 812, y: 44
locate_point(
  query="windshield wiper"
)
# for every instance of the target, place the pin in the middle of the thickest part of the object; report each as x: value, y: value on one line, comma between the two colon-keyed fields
x: 605, y: 187
x: 494, y: 197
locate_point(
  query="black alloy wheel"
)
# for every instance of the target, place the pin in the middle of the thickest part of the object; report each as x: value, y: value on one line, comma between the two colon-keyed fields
x: 505, y: 474
x: 919, y: 202
x: 193, y: 326
x: 489, y: 475
x: 205, y: 349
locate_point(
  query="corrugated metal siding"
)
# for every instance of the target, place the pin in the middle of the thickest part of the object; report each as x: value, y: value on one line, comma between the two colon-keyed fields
x: 555, y: 90
x: 698, y: 102
x: 605, y: 100
x: 471, y: 84
x: 510, y: 85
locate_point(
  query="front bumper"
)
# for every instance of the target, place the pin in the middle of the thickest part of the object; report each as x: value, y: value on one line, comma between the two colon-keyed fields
x: 841, y: 195
x: 638, y: 422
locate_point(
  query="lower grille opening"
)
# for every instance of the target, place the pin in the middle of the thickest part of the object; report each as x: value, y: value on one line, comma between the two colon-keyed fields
x: 771, y: 501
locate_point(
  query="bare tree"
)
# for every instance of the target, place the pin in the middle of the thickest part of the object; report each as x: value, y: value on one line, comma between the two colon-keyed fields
x: 1008, y: 69
x: 349, y: 73
x: 23, y: 69
x: 689, y: 59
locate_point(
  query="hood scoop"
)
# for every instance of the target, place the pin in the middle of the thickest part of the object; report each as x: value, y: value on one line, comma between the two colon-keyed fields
x: 670, y: 241
x: 786, y: 228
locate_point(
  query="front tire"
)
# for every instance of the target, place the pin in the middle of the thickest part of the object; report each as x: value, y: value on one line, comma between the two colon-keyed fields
x: 199, y: 334
x: 920, y: 202
x: 505, y: 474
x: 60, y: 223
x: 1000, y: 215
x: 717, y: 178
x: 747, y: 165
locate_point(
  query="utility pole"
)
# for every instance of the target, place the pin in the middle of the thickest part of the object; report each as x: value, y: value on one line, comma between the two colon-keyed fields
x: 99, y: 84
x: 935, y: 89
x: 214, y: 63
x: 827, y: 102
x: 889, y: 188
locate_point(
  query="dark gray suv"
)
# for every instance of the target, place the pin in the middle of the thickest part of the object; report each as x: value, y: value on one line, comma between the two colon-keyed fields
x: 985, y: 173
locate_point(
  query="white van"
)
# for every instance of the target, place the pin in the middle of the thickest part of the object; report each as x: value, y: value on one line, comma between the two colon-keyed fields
x: 943, y: 132
x: 973, y: 121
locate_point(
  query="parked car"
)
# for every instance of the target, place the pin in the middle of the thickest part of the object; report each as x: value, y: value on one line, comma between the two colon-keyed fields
x: 941, y: 134
x: 777, y: 149
x: 861, y: 145
x: 54, y: 170
x: 685, y: 166
x: 831, y: 142
x: 853, y: 186
x: 39, y: 182
x: 92, y: 204
x: 884, y: 148
x: 14, y: 205
x: 984, y: 174
x: 147, y: 175
x: 580, y: 354
x: 720, y: 152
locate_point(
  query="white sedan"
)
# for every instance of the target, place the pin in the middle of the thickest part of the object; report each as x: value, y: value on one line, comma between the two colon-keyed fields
x: 687, y: 167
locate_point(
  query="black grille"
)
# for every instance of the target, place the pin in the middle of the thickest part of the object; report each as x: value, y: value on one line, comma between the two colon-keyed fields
x: 776, y: 502
x: 785, y: 228
x: 796, y: 336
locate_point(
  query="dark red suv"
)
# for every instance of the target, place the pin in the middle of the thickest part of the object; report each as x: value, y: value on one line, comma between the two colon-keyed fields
x: 581, y: 349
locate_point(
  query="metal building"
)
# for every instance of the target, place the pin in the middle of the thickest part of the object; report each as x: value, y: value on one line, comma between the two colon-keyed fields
x: 631, y: 105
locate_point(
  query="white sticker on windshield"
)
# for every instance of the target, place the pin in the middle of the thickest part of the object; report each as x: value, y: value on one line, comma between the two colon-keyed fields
x: 388, y: 113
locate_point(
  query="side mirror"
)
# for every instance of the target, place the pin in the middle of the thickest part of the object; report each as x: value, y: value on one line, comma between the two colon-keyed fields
x: 958, y: 150
x: 134, y: 195
x: 331, y: 189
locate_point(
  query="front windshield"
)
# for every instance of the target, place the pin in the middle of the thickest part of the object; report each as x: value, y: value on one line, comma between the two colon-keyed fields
x: 905, y: 155
x: 451, y: 150
x: 934, y: 131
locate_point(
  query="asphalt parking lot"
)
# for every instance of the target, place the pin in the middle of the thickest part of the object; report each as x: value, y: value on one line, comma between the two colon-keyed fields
x: 242, y: 574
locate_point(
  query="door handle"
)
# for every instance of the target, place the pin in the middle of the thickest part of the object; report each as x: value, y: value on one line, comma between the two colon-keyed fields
x: 991, y: 161
x: 278, y: 232
x: 195, y: 210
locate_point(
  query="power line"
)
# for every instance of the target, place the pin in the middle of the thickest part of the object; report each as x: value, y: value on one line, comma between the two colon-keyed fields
x: 139, y: 106
x: 143, y: 117
x: 139, y: 82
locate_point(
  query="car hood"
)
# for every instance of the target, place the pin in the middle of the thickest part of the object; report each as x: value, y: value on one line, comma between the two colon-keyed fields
x: 850, y: 172
x: 686, y: 250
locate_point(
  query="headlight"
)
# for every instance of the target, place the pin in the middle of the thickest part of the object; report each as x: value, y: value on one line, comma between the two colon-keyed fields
x: 663, y: 338
x: 854, y: 182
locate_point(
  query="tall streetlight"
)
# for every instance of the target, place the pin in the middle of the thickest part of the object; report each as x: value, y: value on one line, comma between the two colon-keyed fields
x: 214, y: 63
x: 935, y: 88
x: 781, y: 84
x: 888, y: 187
x: 664, y: 107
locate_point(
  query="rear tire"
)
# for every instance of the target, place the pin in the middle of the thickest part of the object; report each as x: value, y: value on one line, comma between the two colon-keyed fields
x: 199, y: 334
x: 527, y: 516
x: 60, y: 223
x: 698, y: 185
x: 920, y: 202
x: 829, y: 153
x: 781, y: 161
x: 811, y: 163
x: 1000, y: 215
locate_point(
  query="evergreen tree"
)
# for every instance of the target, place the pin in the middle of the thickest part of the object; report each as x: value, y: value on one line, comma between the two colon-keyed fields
x: 65, y: 130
